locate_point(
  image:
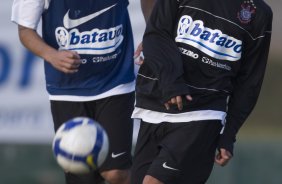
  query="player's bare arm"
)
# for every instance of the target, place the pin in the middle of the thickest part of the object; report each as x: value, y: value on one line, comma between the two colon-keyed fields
x: 64, y: 61
x: 139, y: 59
x: 147, y: 7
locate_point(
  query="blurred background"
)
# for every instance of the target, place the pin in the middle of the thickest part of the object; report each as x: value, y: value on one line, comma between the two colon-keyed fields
x: 26, y: 128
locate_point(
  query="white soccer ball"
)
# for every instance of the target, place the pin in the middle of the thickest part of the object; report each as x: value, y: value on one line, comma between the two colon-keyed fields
x: 80, y: 145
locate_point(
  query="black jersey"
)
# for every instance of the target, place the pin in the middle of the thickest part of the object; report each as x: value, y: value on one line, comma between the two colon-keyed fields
x: 214, y: 50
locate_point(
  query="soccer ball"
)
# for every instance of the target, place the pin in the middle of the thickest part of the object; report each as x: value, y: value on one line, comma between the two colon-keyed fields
x: 80, y: 145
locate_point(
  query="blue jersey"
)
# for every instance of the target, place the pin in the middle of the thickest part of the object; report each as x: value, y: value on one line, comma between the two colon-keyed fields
x: 100, y: 32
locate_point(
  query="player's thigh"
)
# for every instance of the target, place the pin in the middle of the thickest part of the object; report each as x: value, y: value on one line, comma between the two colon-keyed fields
x: 199, y: 162
x: 145, y: 151
x: 185, y: 147
x: 114, y: 114
x: 90, y: 178
x: 63, y: 111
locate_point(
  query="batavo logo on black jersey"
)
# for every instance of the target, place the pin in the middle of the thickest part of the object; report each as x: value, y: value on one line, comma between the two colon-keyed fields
x: 210, y: 41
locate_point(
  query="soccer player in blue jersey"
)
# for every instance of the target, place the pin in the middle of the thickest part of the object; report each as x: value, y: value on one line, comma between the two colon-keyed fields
x: 201, y: 77
x: 88, y: 51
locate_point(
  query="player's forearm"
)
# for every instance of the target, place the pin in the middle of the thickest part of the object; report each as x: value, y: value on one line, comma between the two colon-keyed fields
x: 147, y: 7
x: 32, y: 41
x: 161, y: 53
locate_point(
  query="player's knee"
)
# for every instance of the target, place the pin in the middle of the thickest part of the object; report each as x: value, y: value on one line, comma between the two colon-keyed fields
x: 116, y: 176
x: 149, y: 179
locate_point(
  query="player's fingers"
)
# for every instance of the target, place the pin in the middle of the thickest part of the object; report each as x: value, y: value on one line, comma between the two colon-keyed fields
x: 223, y: 157
x: 69, y: 59
x: 225, y: 154
x: 140, y: 47
x: 222, y: 162
x: 74, y: 66
x: 189, y: 97
x: 67, y: 67
x: 216, y: 160
x: 167, y: 106
x: 219, y: 160
x: 179, y: 102
x: 66, y: 64
x: 68, y: 71
x: 76, y: 55
x: 72, y: 54
x: 173, y: 100
x: 140, y: 61
x: 138, y: 51
x: 70, y: 63
x: 77, y: 61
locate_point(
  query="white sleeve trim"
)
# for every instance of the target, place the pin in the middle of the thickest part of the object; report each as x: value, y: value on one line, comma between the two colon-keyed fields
x: 28, y: 13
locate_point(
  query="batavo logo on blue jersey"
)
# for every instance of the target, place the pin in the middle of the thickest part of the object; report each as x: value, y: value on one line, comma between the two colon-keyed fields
x: 95, y: 41
x: 210, y: 41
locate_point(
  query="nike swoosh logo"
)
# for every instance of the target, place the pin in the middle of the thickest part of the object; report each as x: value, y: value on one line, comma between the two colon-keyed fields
x: 167, y: 167
x: 117, y: 155
x: 71, y: 23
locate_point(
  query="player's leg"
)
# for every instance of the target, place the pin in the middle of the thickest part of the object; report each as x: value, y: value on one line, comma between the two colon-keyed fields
x: 146, y: 150
x: 186, y: 153
x: 114, y: 114
x: 94, y: 177
x: 198, y: 167
x: 63, y: 111
x: 151, y: 180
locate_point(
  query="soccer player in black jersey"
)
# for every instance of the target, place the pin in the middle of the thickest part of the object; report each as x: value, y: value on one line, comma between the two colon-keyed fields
x: 201, y: 77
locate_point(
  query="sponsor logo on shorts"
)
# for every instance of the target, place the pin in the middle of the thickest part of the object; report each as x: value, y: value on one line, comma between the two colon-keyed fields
x: 212, y: 42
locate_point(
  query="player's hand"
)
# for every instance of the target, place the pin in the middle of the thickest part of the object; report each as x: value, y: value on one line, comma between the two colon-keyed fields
x: 177, y: 101
x: 138, y: 58
x: 222, y: 157
x: 65, y: 61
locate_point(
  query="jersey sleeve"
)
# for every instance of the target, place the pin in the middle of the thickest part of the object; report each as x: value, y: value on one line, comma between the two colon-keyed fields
x: 162, y: 55
x: 27, y: 13
x: 247, y: 84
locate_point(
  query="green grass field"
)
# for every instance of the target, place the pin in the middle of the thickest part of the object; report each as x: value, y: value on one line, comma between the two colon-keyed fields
x: 255, y: 162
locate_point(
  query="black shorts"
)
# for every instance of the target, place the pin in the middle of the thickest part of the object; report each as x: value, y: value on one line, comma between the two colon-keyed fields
x: 176, y: 153
x: 114, y: 114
